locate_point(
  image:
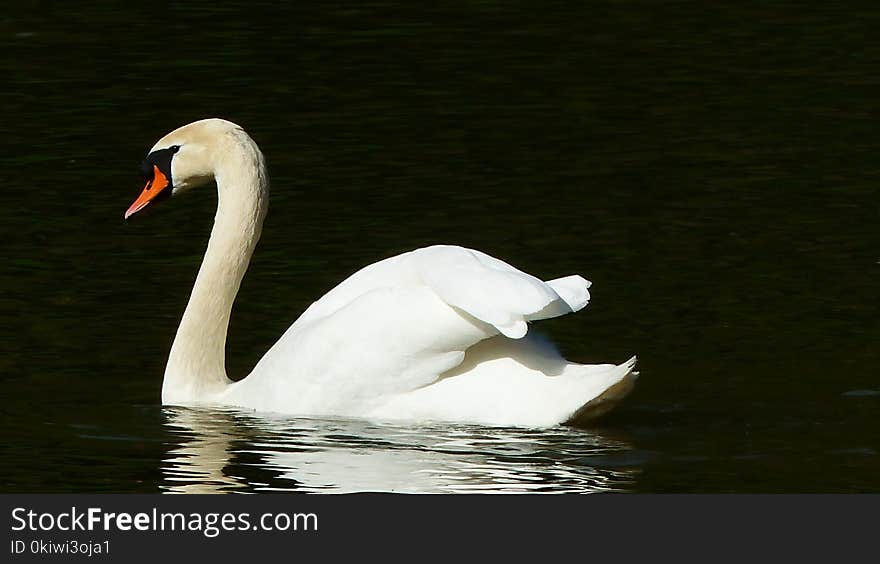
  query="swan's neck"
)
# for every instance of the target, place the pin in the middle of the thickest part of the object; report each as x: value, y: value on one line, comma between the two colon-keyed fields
x: 196, y: 369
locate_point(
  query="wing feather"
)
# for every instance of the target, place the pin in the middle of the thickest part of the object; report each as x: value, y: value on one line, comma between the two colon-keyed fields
x: 399, y: 324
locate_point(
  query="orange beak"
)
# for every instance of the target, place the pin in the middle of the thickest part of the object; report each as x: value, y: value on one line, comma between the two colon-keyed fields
x: 153, y: 188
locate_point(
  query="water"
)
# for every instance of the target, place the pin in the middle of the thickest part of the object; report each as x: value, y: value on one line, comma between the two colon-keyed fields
x: 712, y: 171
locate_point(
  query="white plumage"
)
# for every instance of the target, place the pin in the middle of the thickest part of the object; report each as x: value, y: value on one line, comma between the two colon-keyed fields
x: 435, y: 334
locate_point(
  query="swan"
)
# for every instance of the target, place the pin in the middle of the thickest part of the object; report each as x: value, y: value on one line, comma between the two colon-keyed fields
x: 437, y: 334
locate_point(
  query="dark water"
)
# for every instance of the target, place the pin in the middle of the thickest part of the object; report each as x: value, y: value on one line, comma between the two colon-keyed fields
x: 713, y: 171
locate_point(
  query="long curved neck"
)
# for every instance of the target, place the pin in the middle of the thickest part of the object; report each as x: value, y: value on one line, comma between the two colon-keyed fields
x: 196, y: 369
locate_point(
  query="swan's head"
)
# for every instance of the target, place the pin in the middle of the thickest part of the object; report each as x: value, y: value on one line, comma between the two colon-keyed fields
x: 183, y: 159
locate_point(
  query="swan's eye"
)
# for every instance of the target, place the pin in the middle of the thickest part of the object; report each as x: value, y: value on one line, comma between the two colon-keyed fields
x: 160, y: 158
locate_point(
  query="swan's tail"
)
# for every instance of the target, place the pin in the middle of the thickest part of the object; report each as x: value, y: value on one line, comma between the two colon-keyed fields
x: 620, y: 381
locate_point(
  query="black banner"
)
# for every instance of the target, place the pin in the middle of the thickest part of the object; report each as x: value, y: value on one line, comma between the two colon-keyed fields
x: 134, y: 528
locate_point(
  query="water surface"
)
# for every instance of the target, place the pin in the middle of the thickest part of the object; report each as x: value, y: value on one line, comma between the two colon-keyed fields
x: 713, y: 171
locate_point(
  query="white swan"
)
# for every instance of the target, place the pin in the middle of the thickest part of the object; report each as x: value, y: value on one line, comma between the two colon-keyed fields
x: 436, y: 334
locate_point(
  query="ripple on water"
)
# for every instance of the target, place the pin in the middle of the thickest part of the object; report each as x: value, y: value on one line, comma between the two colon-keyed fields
x: 224, y: 450
x: 861, y: 393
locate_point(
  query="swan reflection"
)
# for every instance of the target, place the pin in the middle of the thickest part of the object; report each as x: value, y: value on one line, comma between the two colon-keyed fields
x: 233, y: 451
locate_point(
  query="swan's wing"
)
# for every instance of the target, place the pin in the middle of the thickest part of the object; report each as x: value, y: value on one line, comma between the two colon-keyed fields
x: 486, y: 288
x: 397, y: 325
x: 495, y: 292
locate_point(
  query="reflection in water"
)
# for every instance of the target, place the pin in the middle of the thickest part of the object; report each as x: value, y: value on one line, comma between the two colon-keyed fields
x: 226, y: 450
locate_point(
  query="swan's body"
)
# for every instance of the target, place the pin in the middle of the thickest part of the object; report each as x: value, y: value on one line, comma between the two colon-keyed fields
x: 435, y: 334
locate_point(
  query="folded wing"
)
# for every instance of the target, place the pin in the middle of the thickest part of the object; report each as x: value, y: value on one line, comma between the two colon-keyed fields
x: 399, y: 324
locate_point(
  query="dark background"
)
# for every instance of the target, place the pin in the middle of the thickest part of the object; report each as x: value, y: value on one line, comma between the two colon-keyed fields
x: 712, y: 170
